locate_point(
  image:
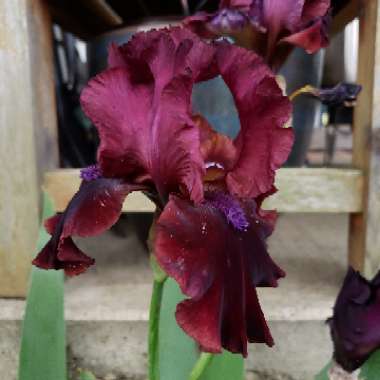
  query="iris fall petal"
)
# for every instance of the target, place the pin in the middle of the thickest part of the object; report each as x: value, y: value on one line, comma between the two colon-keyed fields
x: 94, y: 208
x: 217, y: 265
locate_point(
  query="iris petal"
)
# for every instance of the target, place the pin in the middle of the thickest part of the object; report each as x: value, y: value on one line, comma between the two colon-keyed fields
x: 263, y: 144
x: 217, y: 266
x: 141, y: 107
x: 94, y: 208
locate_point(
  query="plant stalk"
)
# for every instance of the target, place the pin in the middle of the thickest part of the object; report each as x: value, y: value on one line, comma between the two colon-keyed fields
x: 200, y: 366
x: 154, y: 321
x: 303, y: 90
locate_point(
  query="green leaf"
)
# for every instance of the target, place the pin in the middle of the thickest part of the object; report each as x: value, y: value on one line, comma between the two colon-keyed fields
x: 43, y: 345
x: 86, y: 375
x: 225, y: 366
x: 323, y: 375
x: 179, y: 353
x: 371, y: 368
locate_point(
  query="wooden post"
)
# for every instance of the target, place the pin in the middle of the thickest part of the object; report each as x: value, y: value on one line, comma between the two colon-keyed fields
x: 364, y: 237
x: 26, y: 109
x: 40, y: 47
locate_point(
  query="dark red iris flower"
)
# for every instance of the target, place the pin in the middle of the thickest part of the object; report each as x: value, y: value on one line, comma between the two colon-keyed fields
x: 211, y: 232
x: 355, y: 325
x: 268, y: 26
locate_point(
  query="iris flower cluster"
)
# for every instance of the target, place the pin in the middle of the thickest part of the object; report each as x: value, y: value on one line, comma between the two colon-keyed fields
x: 270, y: 27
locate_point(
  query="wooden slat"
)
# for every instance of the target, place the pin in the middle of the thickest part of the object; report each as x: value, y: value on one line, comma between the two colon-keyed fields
x: 300, y: 190
x: 84, y: 18
x: 364, y: 244
x: 40, y: 47
x: 353, y: 9
x: 103, y: 10
x: 18, y: 180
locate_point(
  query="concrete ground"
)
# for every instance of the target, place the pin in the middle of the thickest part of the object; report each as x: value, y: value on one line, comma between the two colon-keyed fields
x: 107, y: 308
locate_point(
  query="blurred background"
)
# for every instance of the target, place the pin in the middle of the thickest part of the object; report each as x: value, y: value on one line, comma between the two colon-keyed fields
x: 322, y: 133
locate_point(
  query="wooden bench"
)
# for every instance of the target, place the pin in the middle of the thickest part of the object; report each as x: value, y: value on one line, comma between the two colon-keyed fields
x: 28, y: 135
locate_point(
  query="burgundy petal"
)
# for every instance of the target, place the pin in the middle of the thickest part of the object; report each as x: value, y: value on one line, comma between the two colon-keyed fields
x: 146, y: 130
x: 199, y: 24
x: 311, y: 38
x: 167, y: 52
x: 263, y: 143
x: 281, y: 15
x: 142, y: 109
x: 314, y: 9
x: 217, y: 150
x: 218, y: 262
x: 94, y: 208
x: 355, y: 325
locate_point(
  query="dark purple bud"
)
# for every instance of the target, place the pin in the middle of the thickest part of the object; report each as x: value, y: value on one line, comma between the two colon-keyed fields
x: 355, y: 325
x: 342, y: 94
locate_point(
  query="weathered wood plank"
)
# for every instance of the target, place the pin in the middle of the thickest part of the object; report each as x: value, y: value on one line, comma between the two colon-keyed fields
x: 42, y: 77
x: 18, y: 180
x: 301, y: 190
x: 364, y: 247
x: 351, y: 10
x: 84, y: 18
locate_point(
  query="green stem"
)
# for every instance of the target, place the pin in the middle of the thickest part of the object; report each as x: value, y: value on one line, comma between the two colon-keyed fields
x: 154, y: 321
x: 200, y: 366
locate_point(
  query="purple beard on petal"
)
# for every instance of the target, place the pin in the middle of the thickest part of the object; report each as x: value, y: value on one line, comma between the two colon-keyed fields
x: 231, y: 209
x: 228, y: 20
x: 90, y: 173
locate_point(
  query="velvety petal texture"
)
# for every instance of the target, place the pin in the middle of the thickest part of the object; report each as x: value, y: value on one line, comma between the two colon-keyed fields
x: 218, y: 150
x: 211, y: 235
x: 144, y: 115
x: 141, y: 107
x: 217, y: 253
x: 263, y: 112
x: 355, y: 325
x: 94, y: 208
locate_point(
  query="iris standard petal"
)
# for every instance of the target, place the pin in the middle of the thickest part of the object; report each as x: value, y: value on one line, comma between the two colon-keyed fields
x: 263, y: 143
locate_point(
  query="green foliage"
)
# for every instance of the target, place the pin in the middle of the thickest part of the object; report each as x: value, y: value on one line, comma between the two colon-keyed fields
x: 86, y: 375
x: 369, y: 371
x: 323, y: 375
x: 371, y: 368
x: 226, y: 366
x: 43, y: 346
x: 179, y: 353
